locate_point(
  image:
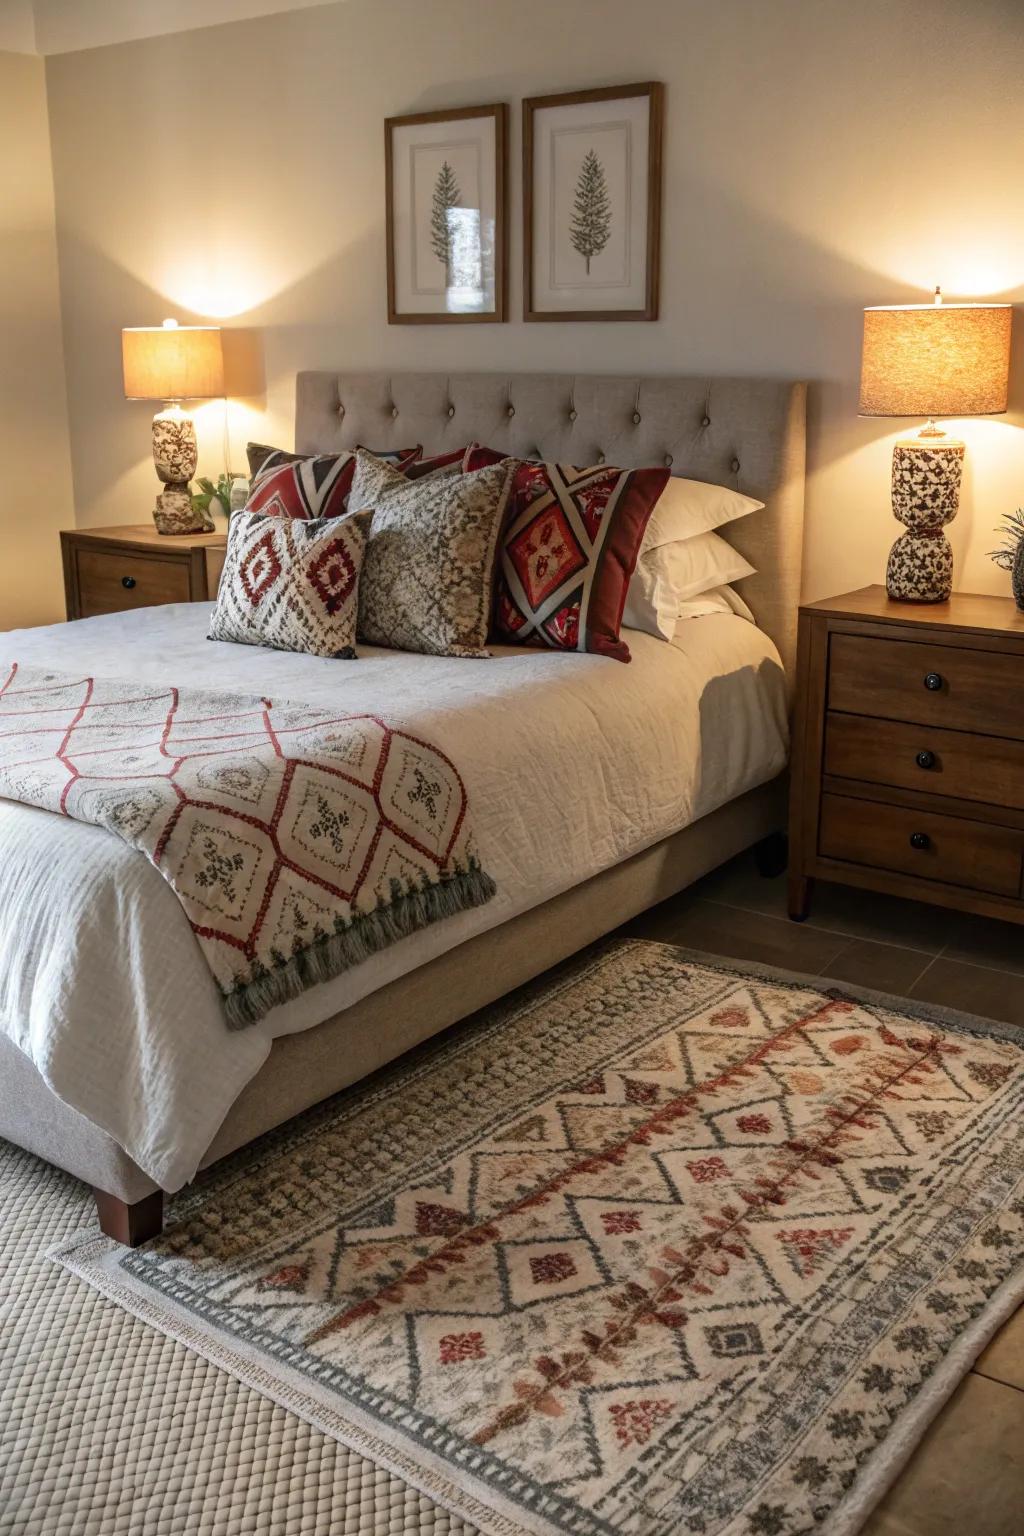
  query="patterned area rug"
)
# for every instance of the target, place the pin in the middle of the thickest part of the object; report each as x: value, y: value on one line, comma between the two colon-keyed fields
x: 665, y: 1247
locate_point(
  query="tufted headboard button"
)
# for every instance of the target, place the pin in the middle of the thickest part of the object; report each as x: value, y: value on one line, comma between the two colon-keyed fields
x: 600, y: 458
x: 341, y: 409
x: 572, y: 415
x: 451, y: 410
x: 706, y: 422
x: 636, y: 418
x: 668, y: 461
x: 735, y: 466
x: 511, y: 411
x: 394, y: 412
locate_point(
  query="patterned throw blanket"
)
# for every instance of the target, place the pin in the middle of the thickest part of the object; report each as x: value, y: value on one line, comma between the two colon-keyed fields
x: 299, y: 841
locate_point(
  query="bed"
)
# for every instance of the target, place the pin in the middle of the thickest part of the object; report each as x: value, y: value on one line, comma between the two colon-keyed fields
x: 598, y: 790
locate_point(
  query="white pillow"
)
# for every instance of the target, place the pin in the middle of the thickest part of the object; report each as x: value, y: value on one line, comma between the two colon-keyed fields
x: 718, y: 600
x: 688, y: 507
x: 667, y: 576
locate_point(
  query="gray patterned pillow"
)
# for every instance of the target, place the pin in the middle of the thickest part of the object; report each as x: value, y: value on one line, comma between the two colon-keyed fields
x: 428, y: 571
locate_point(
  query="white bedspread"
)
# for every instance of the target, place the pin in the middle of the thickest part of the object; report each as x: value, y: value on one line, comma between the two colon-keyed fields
x: 572, y: 763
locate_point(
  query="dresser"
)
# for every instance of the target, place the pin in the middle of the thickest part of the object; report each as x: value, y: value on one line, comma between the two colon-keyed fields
x: 908, y: 751
x: 107, y: 570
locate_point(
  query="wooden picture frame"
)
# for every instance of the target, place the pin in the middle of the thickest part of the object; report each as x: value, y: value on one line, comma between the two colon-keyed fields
x: 634, y: 165
x: 448, y: 294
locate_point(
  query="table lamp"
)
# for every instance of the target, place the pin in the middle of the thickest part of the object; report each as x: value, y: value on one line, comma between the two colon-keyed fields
x: 172, y: 363
x: 931, y: 360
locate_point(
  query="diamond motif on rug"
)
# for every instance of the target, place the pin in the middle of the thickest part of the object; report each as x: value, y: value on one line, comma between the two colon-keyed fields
x: 731, y: 1341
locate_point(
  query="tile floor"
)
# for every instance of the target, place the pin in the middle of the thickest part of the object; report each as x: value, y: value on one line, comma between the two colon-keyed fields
x: 967, y: 1476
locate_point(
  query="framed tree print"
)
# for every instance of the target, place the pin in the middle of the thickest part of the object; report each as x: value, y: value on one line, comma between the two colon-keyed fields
x: 446, y: 230
x: 592, y: 204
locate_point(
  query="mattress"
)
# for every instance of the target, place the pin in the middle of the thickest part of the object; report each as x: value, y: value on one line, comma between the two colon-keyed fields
x: 572, y: 764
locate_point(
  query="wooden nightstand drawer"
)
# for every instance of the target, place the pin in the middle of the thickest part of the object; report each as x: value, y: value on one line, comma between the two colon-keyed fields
x: 959, y: 689
x: 109, y: 583
x: 107, y: 570
x: 928, y: 846
x: 962, y: 766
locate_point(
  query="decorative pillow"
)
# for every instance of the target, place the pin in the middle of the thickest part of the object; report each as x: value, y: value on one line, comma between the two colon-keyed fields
x: 292, y: 583
x: 429, y: 569
x: 568, y: 549
x: 688, y: 507
x: 671, y: 574
x: 479, y: 457
x: 261, y: 456
x: 304, y: 488
x: 458, y: 461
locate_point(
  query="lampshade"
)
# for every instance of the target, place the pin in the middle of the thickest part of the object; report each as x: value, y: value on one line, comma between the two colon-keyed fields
x: 935, y: 360
x: 172, y: 362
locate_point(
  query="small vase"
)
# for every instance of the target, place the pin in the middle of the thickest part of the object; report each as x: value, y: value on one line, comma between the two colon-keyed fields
x: 1017, y: 576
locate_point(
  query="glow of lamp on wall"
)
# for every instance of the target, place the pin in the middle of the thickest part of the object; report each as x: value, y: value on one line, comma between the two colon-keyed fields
x: 931, y: 360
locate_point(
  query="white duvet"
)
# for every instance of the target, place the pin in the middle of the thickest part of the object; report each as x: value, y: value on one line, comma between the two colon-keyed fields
x: 572, y: 763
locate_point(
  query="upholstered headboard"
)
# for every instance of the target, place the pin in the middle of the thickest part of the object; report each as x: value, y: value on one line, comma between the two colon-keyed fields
x: 744, y: 433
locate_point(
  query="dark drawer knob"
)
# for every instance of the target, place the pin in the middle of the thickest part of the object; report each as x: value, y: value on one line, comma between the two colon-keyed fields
x: 920, y: 840
x: 933, y: 682
x: 925, y: 759
x: 128, y: 582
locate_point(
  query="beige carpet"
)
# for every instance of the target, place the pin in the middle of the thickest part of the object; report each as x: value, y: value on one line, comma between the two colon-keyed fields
x: 109, y: 1428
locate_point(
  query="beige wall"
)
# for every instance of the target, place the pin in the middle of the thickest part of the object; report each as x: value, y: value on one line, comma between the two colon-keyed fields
x: 820, y: 156
x: 64, y: 25
x: 17, y: 27
x: 35, y: 466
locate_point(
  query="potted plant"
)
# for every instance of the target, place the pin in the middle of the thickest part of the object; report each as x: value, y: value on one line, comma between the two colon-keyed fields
x: 217, y: 498
x: 1011, y: 556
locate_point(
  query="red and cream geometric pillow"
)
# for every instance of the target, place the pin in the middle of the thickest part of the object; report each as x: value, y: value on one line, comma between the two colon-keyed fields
x: 262, y: 457
x: 292, y: 583
x: 305, y: 485
x: 434, y: 466
x: 457, y: 461
x: 479, y: 457
x: 567, y: 550
x: 305, y: 488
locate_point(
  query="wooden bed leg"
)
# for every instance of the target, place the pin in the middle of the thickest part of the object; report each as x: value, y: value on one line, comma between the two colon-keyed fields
x: 130, y: 1224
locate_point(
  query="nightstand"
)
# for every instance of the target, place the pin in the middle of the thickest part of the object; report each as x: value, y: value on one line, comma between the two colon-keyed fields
x: 107, y: 570
x: 908, y: 752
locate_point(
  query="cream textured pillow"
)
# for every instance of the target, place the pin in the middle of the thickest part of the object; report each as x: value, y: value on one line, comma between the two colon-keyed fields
x: 428, y: 573
x: 689, y: 507
x: 292, y: 583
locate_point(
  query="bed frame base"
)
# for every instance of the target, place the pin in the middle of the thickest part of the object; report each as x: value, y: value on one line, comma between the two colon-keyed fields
x: 130, y: 1224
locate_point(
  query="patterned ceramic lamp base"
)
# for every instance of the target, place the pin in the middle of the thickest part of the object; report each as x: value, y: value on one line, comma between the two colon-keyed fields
x: 176, y: 456
x: 926, y: 473
x: 920, y: 568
